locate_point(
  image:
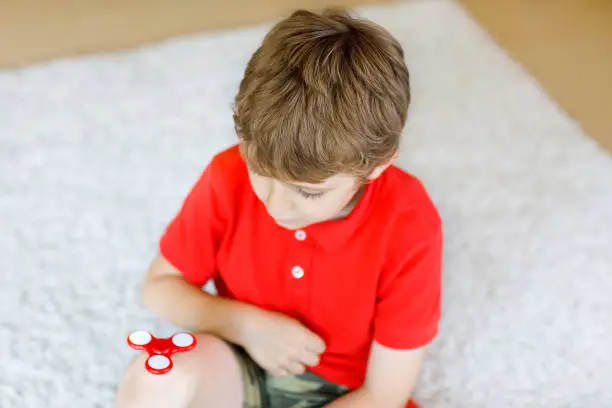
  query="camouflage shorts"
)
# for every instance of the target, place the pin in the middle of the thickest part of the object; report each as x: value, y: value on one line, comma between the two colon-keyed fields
x: 262, y: 390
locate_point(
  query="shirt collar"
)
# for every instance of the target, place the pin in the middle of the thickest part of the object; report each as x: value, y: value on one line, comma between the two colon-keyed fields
x: 334, y: 234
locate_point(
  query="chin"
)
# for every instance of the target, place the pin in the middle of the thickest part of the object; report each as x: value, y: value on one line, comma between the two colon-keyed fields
x: 291, y: 225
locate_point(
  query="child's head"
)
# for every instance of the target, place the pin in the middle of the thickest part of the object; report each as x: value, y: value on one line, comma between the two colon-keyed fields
x: 319, y: 112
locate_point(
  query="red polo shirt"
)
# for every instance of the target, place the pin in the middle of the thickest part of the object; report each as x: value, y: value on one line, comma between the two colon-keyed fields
x: 375, y: 275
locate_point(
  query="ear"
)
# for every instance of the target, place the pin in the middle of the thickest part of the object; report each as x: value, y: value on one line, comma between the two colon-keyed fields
x: 380, y: 169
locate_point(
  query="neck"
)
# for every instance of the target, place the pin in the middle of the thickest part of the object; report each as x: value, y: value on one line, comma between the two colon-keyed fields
x: 351, y: 204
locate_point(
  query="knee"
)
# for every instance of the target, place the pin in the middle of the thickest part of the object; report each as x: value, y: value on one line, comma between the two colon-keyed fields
x: 141, y: 388
x: 209, y: 352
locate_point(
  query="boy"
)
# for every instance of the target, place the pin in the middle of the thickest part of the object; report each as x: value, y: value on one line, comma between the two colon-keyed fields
x: 326, y: 257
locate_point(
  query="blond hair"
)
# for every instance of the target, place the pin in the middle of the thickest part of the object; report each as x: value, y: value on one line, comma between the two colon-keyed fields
x: 324, y: 94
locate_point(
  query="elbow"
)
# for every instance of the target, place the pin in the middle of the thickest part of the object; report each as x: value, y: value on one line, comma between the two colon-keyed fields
x: 149, y: 293
x: 145, y: 294
x: 398, y: 399
x: 158, y: 284
x: 399, y: 402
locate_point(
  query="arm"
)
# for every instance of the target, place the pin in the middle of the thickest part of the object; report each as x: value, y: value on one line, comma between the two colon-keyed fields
x: 168, y: 295
x: 390, y: 379
x: 402, y: 328
x: 279, y: 344
x: 187, y: 260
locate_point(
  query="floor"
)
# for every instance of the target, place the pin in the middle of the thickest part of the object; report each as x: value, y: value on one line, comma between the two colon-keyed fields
x: 565, y: 44
x: 96, y: 156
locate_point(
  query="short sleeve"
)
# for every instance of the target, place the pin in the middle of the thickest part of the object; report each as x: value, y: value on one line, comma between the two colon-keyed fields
x: 192, y: 238
x: 409, y: 298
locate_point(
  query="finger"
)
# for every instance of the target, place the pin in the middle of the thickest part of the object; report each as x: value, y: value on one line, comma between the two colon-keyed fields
x: 280, y: 372
x: 315, y: 343
x: 294, y: 367
x: 309, y: 358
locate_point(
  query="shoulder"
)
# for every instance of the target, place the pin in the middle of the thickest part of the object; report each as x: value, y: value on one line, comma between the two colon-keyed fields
x: 227, y: 164
x: 226, y: 173
x: 411, y: 212
x: 412, y: 265
x: 220, y: 184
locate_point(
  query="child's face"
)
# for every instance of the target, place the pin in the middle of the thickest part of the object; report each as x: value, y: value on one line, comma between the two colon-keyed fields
x: 297, y: 205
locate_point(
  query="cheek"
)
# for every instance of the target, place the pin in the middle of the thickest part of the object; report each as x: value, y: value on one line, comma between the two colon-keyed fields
x: 258, y: 185
x: 327, y: 207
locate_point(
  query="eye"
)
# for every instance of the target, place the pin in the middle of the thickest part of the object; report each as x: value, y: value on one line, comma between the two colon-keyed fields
x: 310, y: 196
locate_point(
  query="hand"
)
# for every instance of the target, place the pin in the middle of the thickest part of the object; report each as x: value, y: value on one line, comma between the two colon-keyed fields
x: 279, y: 344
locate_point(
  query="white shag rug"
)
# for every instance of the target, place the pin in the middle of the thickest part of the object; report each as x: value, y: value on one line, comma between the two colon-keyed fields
x: 96, y: 154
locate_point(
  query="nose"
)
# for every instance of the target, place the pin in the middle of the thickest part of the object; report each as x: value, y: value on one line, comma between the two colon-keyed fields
x: 278, y: 201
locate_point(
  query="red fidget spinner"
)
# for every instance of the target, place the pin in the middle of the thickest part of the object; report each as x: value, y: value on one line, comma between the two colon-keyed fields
x: 160, y: 350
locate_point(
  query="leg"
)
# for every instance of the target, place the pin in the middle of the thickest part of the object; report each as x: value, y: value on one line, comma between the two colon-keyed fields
x: 207, y: 377
x: 306, y: 390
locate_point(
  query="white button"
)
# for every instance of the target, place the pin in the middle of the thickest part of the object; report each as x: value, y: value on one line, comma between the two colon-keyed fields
x: 140, y: 338
x: 297, y: 272
x: 182, y: 339
x: 159, y: 362
x: 300, y: 235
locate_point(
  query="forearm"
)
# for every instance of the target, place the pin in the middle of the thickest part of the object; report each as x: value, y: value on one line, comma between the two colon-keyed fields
x: 356, y: 399
x: 362, y: 398
x: 178, y: 302
x: 390, y: 379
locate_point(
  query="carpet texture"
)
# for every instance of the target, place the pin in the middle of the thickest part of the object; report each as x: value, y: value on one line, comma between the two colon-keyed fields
x: 96, y: 154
